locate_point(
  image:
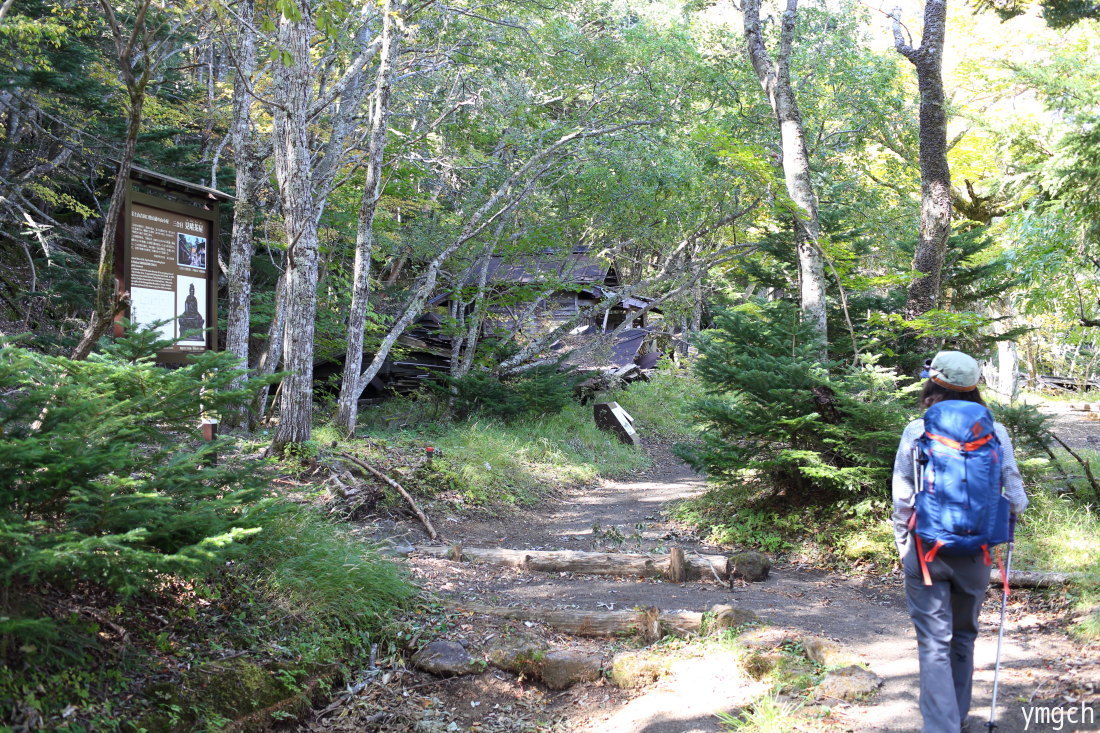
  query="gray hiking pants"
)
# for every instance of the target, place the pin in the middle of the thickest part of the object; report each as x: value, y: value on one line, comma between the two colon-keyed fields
x: 945, y: 615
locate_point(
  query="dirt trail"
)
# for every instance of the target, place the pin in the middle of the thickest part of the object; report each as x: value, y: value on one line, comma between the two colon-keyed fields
x: 865, y: 614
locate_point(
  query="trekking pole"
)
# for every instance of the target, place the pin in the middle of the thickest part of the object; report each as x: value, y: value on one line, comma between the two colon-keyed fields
x: 991, y: 725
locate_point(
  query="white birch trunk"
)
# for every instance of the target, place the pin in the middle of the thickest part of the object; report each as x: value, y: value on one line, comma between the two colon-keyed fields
x: 351, y: 386
x: 250, y: 176
x: 775, y: 78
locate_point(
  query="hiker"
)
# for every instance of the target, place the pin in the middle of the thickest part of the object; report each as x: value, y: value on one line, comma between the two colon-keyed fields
x: 946, y: 579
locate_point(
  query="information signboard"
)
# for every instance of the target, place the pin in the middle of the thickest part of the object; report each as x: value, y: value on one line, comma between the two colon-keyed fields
x: 169, y: 268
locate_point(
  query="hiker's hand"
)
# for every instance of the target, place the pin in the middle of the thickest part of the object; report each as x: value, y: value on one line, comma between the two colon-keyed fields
x: 1012, y: 518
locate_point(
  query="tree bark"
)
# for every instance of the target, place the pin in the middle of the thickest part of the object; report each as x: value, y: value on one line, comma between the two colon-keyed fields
x: 351, y: 386
x: 935, y: 174
x: 294, y: 173
x: 775, y: 78
x: 249, y: 179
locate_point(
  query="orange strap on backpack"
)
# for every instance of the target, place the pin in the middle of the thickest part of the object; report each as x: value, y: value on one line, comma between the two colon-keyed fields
x: 924, y: 560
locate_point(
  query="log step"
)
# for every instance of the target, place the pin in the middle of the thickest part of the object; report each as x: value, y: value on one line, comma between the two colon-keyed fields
x: 649, y: 623
x: 712, y: 568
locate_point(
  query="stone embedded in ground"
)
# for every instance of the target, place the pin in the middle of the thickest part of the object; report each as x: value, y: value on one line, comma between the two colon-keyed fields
x: 731, y: 617
x: 638, y: 668
x: 558, y: 669
x: 564, y: 668
x: 518, y: 657
x: 445, y: 659
x: 849, y: 683
x: 825, y: 652
x: 766, y: 638
x: 751, y: 566
x: 396, y: 548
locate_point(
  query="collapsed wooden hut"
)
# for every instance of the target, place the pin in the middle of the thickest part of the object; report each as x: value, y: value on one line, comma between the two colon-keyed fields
x: 543, y: 291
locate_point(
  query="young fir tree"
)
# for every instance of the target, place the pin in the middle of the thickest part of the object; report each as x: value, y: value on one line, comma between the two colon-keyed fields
x: 782, y: 424
x: 106, y: 480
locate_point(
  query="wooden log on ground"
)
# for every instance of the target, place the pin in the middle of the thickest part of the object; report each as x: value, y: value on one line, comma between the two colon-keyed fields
x: 651, y: 624
x: 1033, y: 579
x: 710, y: 568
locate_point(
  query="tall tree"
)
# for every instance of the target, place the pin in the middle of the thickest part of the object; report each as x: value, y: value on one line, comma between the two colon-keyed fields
x: 935, y: 174
x: 775, y: 78
x: 250, y: 176
x: 307, y: 163
x: 139, y: 52
x: 350, y: 387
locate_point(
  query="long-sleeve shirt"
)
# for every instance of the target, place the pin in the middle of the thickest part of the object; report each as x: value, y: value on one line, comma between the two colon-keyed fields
x: 904, y: 483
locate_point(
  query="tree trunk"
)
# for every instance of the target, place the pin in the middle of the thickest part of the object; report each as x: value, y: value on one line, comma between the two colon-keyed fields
x: 775, y: 78
x: 108, y: 299
x: 272, y: 354
x: 351, y: 385
x: 250, y: 176
x: 935, y: 210
x: 477, y: 316
x: 294, y: 173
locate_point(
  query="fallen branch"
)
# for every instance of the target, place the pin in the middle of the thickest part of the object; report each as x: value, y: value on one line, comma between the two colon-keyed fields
x: 700, y: 567
x: 1084, y: 464
x: 397, y: 487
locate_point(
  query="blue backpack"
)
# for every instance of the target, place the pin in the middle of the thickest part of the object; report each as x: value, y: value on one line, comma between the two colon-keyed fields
x: 960, y: 505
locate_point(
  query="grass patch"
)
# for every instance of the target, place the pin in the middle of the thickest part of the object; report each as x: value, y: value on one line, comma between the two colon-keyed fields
x: 768, y: 714
x: 491, y: 464
x: 661, y: 407
x: 310, y: 572
x: 845, y: 537
x: 1058, y: 534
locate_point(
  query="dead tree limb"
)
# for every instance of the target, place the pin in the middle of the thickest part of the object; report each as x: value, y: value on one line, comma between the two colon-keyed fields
x: 1084, y: 464
x: 398, y: 488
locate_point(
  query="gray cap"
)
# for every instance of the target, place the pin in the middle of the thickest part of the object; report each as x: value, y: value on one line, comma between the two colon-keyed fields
x: 955, y: 370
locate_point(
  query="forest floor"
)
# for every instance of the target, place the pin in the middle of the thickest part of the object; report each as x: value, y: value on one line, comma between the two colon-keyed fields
x: 1043, y: 666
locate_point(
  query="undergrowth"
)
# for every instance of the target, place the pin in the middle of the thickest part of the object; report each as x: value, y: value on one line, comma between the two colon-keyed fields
x: 303, y: 595
x: 492, y: 464
x: 661, y: 407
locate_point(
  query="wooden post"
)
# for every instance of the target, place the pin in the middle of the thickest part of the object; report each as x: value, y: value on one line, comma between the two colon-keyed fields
x: 677, y: 572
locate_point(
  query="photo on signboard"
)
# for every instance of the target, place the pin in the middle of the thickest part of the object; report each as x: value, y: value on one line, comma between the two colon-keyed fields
x: 149, y: 306
x: 190, y: 309
x: 191, y: 251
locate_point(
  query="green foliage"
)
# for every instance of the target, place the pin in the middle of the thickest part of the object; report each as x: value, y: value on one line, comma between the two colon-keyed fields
x: 304, y: 568
x: 662, y: 406
x: 1026, y: 425
x: 768, y: 714
x: 105, y: 479
x: 300, y: 596
x: 1061, y: 534
x: 541, y: 391
x: 777, y: 418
